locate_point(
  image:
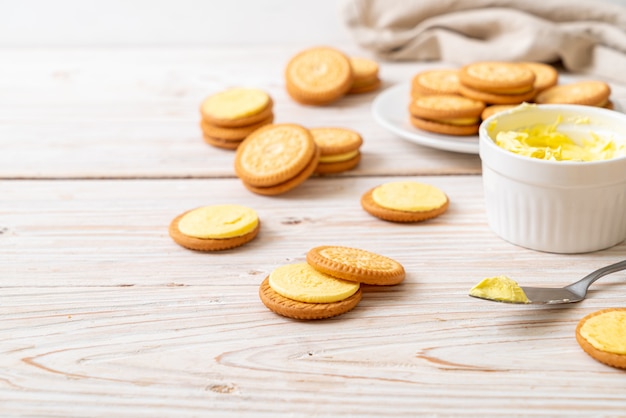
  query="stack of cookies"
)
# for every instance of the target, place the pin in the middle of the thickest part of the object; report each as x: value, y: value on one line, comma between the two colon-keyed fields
x: 229, y: 116
x: 339, y: 149
x: 321, y: 75
x: 365, y: 75
x: 328, y: 284
x: 276, y: 158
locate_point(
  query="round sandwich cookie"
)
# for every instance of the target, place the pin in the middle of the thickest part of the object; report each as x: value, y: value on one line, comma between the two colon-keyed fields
x: 405, y: 201
x: 237, y: 107
x: 365, y: 75
x: 339, y: 149
x: 602, y: 335
x: 495, y: 98
x: 356, y: 265
x: 589, y: 93
x: 497, y: 77
x: 275, y: 155
x: 493, y: 109
x: 442, y: 81
x: 446, y: 114
x: 228, y: 144
x: 299, y: 291
x: 545, y: 75
x: 318, y: 76
x: 233, y: 133
x: 215, y: 228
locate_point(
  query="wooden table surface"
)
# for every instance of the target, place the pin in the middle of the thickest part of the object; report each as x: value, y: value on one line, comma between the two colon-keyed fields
x: 102, y: 314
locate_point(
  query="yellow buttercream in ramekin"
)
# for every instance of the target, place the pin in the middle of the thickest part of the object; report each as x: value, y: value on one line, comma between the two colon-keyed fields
x: 408, y: 196
x: 606, y: 331
x: 545, y: 142
x: 218, y: 221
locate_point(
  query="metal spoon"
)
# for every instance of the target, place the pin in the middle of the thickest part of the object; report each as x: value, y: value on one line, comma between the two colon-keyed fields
x: 574, y: 292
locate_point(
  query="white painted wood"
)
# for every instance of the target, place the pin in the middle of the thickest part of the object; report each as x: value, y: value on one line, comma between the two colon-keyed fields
x: 102, y: 314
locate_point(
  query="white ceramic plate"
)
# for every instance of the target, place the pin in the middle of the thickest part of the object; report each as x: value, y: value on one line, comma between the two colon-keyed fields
x: 391, y: 110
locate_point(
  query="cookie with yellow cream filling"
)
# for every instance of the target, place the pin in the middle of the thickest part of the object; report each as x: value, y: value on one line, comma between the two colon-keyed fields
x: 589, y: 93
x: 339, y: 149
x: 215, y: 228
x: 356, y: 265
x: 236, y: 107
x: 447, y: 114
x: 440, y: 81
x: 405, y: 201
x: 602, y: 335
x: 318, y: 76
x: 497, y: 77
x: 299, y: 291
x: 365, y: 75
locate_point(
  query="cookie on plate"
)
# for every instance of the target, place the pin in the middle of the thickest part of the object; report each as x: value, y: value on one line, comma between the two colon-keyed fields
x: 440, y: 81
x: 302, y: 292
x: 496, y: 82
x: 356, y: 265
x: 589, y: 93
x: 276, y: 158
x: 446, y: 114
x: 318, y: 76
x: 215, y: 228
x: 339, y: 149
x: 545, y: 75
x: 602, y: 335
x: 405, y: 201
x: 365, y: 75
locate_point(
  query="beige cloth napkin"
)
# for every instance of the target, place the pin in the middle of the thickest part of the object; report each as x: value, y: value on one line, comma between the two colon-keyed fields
x: 587, y: 36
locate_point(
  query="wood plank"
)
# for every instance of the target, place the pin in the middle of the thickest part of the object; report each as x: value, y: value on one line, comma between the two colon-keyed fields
x: 104, y: 315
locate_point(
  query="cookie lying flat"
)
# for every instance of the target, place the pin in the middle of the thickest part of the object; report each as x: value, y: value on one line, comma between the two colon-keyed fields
x: 301, y: 292
x: 318, y: 76
x: 443, y: 81
x: 236, y: 107
x: 339, y: 149
x: 446, y: 114
x: 602, y: 335
x: 356, y: 265
x: 405, y: 201
x: 590, y: 93
x: 215, y: 228
x: 276, y: 158
x: 365, y: 75
x: 497, y: 77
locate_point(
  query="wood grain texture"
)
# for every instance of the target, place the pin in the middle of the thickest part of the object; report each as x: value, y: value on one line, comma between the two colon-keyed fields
x: 102, y: 313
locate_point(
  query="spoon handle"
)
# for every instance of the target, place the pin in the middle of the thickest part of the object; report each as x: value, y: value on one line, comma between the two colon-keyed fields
x: 581, y: 286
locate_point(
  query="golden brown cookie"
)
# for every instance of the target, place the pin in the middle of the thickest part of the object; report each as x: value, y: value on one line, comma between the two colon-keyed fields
x: 446, y: 114
x: 590, y: 93
x: 289, y: 184
x: 442, y: 81
x: 545, y: 75
x: 497, y: 77
x: 318, y: 76
x: 405, y: 201
x: 494, y: 98
x: 236, y: 107
x: 493, y: 109
x: 221, y: 143
x: 339, y: 149
x: 356, y: 265
x: 215, y: 228
x: 233, y: 133
x: 305, y: 310
x: 274, y: 154
x: 444, y: 128
x: 602, y: 335
x: 360, y: 88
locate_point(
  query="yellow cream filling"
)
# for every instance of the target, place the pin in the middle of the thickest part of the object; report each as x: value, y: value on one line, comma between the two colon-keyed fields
x: 218, y: 221
x: 459, y: 121
x: 499, y: 288
x: 606, y: 331
x: 546, y: 143
x: 338, y: 157
x: 409, y: 196
x: 303, y: 283
x: 236, y: 103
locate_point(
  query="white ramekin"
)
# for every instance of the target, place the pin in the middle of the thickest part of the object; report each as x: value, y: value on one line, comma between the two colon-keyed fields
x: 554, y: 206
